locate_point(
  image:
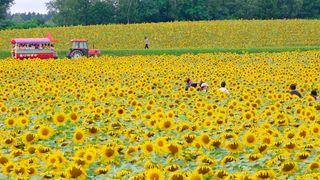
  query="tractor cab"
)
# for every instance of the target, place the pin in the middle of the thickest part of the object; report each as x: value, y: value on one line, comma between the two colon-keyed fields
x: 80, y: 47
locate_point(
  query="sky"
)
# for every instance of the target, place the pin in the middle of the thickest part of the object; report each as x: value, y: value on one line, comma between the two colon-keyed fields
x: 38, y: 6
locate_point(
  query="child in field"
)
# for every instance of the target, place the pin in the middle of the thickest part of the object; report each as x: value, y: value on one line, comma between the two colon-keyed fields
x: 223, y: 87
x: 315, y: 95
x: 203, y: 87
x: 189, y: 84
x: 294, y: 91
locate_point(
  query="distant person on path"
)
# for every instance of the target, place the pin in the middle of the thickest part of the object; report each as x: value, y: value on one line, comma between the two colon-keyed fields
x: 294, y: 91
x: 223, y: 87
x: 315, y: 95
x: 189, y: 84
x: 146, y: 41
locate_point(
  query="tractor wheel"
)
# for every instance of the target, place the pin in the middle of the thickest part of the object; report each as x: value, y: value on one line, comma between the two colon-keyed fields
x: 76, y: 54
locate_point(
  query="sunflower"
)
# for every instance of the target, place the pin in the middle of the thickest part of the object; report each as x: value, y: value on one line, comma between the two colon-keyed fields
x: 177, y: 176
x: 206, y: 160
x: 75, y: 172
x: 93, y: 130
x: 205, y: 140
x: 130, y: 151
x: 109, y: 153
x: 31, y: 170
x: 160, y: 143
x: 204, y: 170
x: 173, y: 148
x: 120, y: 112
x: 234, y: 146
x: 154, y: 174
x: 23, y: 121
x: 31, y: 149
x: 148, y: 147
x: 59, y: 119
x: 250, y: 139
x: 194, y: 176
x: 29, y: 138
x: 9, y: 142
x: 4, y: 160
x: 314, y: 165
x: 228, y: 159
x: 189, y: 139
x: 45, y: 132
x: 172, y: 168
x: 265, y: 174
x: 10, y: 122
x: 74, y: 117
x: 167, y: 124
x: 20, y: 170
x: 8, y: 168
x: 102, y: 170
x: 221, y: 174
x: 90, y: 155
x: 79, y: 136
x: 52, y: 160
x: 301, y: 156
x: 288, y: 167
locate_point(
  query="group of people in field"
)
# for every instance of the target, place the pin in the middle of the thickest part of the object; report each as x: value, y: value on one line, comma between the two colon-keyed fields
x: 34, y: 46
x: 294, y: 91
x: 202, y: 86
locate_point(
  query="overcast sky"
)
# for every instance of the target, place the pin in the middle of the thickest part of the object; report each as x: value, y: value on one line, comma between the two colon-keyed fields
x: 38, y: 6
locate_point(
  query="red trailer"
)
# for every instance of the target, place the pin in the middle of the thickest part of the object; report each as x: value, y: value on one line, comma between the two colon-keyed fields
x: 33, y: 48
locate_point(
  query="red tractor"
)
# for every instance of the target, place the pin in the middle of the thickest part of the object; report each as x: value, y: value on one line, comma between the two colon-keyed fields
x: 80, y: 48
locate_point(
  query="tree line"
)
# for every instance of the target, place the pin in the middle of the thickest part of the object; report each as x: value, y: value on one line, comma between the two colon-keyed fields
x: 86, y: 12
x: 72, y: 12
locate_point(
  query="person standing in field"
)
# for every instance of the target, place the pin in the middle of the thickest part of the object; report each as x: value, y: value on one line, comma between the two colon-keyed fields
x: 223, y: 87
x: 146, y: 41
x: 293, y: 90
x: 315, y: 95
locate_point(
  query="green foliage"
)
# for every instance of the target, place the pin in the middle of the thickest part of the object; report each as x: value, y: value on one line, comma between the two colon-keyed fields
x: 74, y: 12
x: 4, y: 6
x: 32, y: 23
x: 131, y: 52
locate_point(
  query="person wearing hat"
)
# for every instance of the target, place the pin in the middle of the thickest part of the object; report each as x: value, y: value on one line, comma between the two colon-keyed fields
x: 293, y: 91
x: 203, y: 87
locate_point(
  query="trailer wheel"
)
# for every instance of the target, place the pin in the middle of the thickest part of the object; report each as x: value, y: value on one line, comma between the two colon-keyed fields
x: 76, y: 54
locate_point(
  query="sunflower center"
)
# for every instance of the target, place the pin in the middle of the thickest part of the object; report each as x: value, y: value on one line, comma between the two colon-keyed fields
x: 60, y: 118
x: 288, y: 167
x: 149, y: 147
x: 75, y: 172
x: 45, y: 132
x: 109, y: 152
x: 79, y: 136
x: 167, y: 124
x: 30, y: 137
x: 250, y: 139
x: 205, y: 139
x: 154, y: 176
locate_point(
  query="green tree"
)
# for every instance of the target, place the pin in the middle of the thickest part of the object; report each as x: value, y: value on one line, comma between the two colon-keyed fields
x: 4, y: 6
x: 70, y: 12
x: 102, y: 12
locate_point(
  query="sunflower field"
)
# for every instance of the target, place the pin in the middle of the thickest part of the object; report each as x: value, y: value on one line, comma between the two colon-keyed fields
x: 202, y: 34
x: 131, y: 117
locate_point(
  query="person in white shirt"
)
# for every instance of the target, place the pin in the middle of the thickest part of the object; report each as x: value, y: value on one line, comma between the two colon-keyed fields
x: 146, y: 40
x: 223, y: 87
